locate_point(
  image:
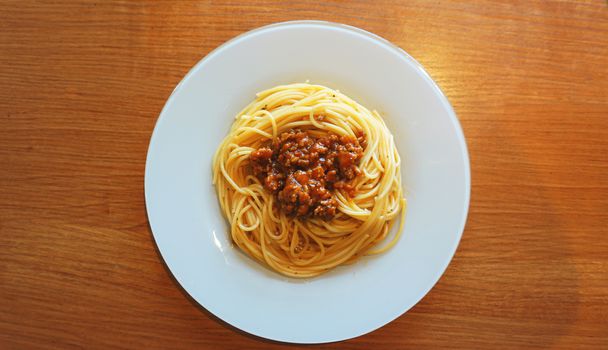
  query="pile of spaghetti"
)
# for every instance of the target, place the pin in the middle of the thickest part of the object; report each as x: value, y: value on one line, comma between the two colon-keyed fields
x: 309, y: 179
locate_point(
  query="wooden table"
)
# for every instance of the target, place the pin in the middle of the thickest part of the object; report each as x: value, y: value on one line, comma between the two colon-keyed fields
x: 81, y: 86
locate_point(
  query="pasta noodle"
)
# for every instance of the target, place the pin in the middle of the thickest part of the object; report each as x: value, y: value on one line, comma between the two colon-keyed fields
x: 309, y: 246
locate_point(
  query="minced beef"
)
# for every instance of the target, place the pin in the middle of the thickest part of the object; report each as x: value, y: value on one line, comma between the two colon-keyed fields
x: 301, y: 170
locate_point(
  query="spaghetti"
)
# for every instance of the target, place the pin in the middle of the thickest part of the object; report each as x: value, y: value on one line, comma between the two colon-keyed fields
x: 365, y: 203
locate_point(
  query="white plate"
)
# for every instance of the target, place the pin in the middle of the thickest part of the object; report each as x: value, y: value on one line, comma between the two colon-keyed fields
x: 192, y: 235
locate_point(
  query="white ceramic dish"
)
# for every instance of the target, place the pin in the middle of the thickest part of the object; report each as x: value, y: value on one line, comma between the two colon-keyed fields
x: 192, y: 235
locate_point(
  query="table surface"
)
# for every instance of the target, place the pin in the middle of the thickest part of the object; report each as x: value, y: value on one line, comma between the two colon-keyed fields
x: 82, y: 84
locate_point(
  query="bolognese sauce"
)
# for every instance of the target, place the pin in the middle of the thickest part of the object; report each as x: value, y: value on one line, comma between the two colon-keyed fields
x: 302, y: 170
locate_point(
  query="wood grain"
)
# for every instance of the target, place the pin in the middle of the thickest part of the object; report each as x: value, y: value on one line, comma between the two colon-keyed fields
x: 81, y: 86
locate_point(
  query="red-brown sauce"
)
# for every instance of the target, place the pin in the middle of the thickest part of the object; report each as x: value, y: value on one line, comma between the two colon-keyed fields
x: 302, y: 170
